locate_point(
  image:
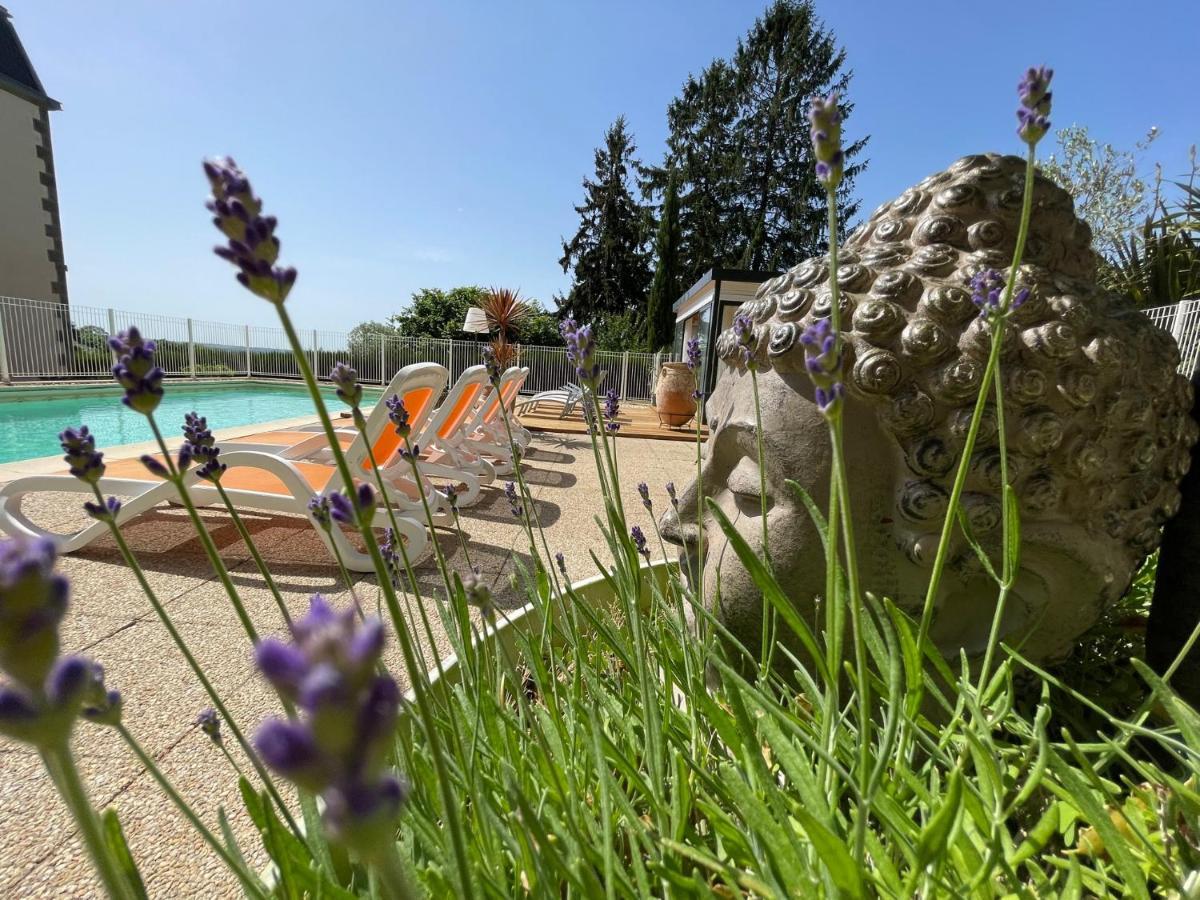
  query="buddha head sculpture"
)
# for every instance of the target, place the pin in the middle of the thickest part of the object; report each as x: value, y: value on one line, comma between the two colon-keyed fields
x: 1096, y: 416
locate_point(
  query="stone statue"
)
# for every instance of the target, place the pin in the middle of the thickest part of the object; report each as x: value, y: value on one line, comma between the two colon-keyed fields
x: 1097, y: 419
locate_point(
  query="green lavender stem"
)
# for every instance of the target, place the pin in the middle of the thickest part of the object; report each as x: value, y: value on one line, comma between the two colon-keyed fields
x: 61, y: 766
x: 250, y: 882
x: 450, y: 802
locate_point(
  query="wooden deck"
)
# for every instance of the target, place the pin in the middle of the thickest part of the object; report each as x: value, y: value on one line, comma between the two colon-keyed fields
x: 636, y: 420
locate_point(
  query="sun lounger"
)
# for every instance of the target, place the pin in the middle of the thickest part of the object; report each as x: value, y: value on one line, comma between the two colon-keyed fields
x: 253, y: 480
x: 419, y: 386
x: 566, y: 398
x: 485, y: 434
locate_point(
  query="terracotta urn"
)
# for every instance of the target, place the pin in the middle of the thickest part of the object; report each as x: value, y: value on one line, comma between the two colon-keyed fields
x: 675, y: 395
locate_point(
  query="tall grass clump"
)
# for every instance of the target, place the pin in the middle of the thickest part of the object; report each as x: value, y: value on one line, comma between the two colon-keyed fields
x: 614, y: 738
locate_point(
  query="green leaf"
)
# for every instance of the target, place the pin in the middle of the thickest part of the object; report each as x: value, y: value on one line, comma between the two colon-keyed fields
x: 114, y: 839
x: 936, y: 832
x: 814, y: 512
x: 969, y: 534
x: 845, y: 873
x: 1012, y: 549
x: 1083, y: 795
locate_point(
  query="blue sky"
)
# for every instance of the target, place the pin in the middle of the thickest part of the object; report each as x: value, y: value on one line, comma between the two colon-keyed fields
x: 412, y: 144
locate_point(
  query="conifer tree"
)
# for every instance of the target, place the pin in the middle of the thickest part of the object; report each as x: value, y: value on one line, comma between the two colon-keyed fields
x: 660, y: 319
x: 739, y: 142
x: 607, y: 257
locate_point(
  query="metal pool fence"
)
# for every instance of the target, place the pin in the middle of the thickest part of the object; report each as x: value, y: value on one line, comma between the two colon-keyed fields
x: 45, y: 341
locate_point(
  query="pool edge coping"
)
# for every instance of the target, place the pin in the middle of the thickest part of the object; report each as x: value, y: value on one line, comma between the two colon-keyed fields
x: 54, y: 465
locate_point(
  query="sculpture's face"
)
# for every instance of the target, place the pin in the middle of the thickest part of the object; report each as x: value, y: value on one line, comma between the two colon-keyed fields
x: 1058, y: 563
x: 1097, y: 425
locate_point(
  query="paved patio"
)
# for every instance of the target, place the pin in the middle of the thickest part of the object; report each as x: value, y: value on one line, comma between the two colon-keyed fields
x: 110, y: 620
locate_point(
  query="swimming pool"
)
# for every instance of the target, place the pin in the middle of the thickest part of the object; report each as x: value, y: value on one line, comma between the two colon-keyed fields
x: 31, y: 418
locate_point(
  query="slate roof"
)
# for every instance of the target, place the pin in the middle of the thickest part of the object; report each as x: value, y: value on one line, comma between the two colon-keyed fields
x: 17, y: 75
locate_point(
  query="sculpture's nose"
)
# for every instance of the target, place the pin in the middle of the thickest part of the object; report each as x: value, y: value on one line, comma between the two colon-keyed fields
x: 678, y: 523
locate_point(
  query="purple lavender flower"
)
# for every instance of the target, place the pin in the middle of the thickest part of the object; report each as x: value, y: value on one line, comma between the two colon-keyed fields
x: 210, y: 724
x: 252, y: 245
x: 390, y: 551
x: 514, y: 500
x: 398, y: 413
x: 492, y: 364
x: 825, y: 119
x: 450, y: 492
x: 136, y: 372
x: 639, y: 541
x: 643, y: 490
x: 823, y: 359
x: 86, y: 462
x: 203, y: 446
x: 562, y: 563
x: 581, y: 352
x: 103, y: 512
x: 612, y: 407
x: 671, y: 493
x: 1034, y: 111
x: 319, y: 510
x: 743, y: 332
x: 357, y: 511
x: 339, y: 749
x: 46, y: 693
x: 349, y: 390
x: 478, y: 593
x: 1020, y: 297
x: 692, y: 354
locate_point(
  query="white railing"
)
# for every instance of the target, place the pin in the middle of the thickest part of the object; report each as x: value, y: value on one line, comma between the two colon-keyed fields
x: 43, y: 341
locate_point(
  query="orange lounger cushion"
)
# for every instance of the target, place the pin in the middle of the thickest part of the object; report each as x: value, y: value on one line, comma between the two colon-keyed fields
x: 287, y: 438
x: 237, y: 478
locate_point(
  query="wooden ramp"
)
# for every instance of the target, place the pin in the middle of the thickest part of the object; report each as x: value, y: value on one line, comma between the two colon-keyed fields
x: 636, y: 420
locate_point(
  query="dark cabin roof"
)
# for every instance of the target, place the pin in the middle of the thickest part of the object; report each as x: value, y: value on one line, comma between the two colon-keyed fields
x: 749, y: 276
x: 17, y: 75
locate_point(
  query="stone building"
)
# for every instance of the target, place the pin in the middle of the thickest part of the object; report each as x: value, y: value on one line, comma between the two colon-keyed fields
x: 32, y: 267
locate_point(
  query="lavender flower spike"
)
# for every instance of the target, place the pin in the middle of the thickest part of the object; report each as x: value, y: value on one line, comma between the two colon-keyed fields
x: 399, y: 415
x: 252, y: 245
x: 514, y: 501
x: 492, y: 364
x: 210, y: 724
x: 639, y: 541
x: 612, y: 408
x: 45, y: 693
x: 643, y: 490
x: 136, y: 372
x: 670, y: 487
x: 349, y: 391
x: 203, y: 447
x: 86, y: 462
x: 747, y: 341
x: 581, y: 352
x: 479, y: 594
x: 352, y: 508
x: 823, y: 359
x: 1034, y: 111
x: 825, y: 119
x: 339, y: 748
x: 692, y: 354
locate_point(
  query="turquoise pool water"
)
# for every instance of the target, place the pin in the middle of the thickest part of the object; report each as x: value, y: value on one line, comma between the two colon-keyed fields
x: 31, y: 418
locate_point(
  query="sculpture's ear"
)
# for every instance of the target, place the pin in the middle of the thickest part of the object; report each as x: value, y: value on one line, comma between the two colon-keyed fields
x: 1175, y: 609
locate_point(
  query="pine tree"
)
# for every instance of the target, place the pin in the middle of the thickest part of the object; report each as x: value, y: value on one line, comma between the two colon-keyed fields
x: 660, y: 318
x: 739, y: 141
x: 607, y: 257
